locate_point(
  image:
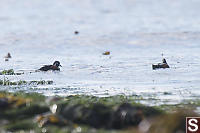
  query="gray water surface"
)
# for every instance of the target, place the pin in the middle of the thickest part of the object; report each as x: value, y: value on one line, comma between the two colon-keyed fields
x: 137, y: 32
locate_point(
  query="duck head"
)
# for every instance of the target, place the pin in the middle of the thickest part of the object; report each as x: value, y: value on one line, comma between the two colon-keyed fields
x: 57, y: 64
x: 164, y: 61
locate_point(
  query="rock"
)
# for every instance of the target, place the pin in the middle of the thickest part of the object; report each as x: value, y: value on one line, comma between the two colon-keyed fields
x: 131, y: 115
x: 74, y: 113
x: 3, y: 103
x: 99, y: 116
x: 102, y: 116
x: 126, y: 115
x: 47, y: 119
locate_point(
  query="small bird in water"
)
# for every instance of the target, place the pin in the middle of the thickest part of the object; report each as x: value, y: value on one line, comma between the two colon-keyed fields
x: 160, y: 65
x: 54, y: 67
x: 76, y: 32
x: 8, y: 55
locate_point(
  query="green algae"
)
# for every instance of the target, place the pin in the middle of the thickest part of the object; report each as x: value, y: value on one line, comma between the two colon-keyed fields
x: 7, y: 72
x: 10, y: 72
x: 6, y: 82
x: 22, y: 125
x: 109, y: 101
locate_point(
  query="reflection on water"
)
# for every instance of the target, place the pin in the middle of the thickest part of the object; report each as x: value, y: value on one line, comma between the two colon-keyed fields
x: 136, y: 32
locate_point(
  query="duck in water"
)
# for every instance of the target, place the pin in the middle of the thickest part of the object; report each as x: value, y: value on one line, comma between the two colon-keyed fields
x: 7, y: 57
x: 160, y: 65
x: 54, y: 67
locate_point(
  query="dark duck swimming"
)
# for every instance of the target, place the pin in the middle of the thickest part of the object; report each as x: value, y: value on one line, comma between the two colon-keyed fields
x: 54, y: 67
x: 160, y: 65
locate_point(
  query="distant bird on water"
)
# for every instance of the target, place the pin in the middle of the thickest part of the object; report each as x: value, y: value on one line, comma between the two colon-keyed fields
x: 8, y: 56
x: 54, y: 67
x: 160, y: 65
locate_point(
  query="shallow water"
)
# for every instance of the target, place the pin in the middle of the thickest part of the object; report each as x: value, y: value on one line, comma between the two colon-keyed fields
x: 137, y: 32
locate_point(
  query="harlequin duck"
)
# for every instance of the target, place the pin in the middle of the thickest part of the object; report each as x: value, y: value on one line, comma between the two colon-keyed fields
x: 161, y: 65
x: 8, y: 55
x: 54, y: 67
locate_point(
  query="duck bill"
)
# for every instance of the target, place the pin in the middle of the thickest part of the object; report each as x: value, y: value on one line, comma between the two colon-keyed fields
x: 60, y: 65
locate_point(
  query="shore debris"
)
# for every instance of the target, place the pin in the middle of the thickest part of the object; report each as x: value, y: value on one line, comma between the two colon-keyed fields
x: 106, y: 53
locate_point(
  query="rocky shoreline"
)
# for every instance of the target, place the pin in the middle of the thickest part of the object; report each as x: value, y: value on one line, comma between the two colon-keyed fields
x: 32, y: 112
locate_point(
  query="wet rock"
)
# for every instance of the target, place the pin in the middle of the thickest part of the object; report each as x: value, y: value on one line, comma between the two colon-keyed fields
x: 99, y: 116
x: 35, y: 109
x: 13, y: 101
x: 74, y: 113
x: 47, y: 119
x: 126, y: 115
x: 3, y: 103
x: 102, y: 116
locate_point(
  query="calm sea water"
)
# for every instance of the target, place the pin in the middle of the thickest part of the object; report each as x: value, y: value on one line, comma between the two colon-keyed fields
x: 137, y: 32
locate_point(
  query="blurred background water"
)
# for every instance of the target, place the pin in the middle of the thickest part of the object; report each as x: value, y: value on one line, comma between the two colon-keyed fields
x: 136, y: 32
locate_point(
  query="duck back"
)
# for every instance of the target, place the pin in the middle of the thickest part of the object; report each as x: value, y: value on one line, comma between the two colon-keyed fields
x: 45, y: 68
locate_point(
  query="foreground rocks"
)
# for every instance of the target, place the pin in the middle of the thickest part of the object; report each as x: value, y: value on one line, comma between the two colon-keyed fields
x: 37, y: 113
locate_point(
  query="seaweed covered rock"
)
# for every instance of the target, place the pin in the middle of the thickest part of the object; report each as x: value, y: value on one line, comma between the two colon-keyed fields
x: 7, y: 82
x: 26, y: 111
x: 7, y: 72
x: 15, y: 107
x: 102, y: 116
x: 126, y: 115
x: 50, y: 119
x: 13, y: 101
x: 97, y: 115
x: 131, y: 115
x: 3, y: 103
x: 74, y: 113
